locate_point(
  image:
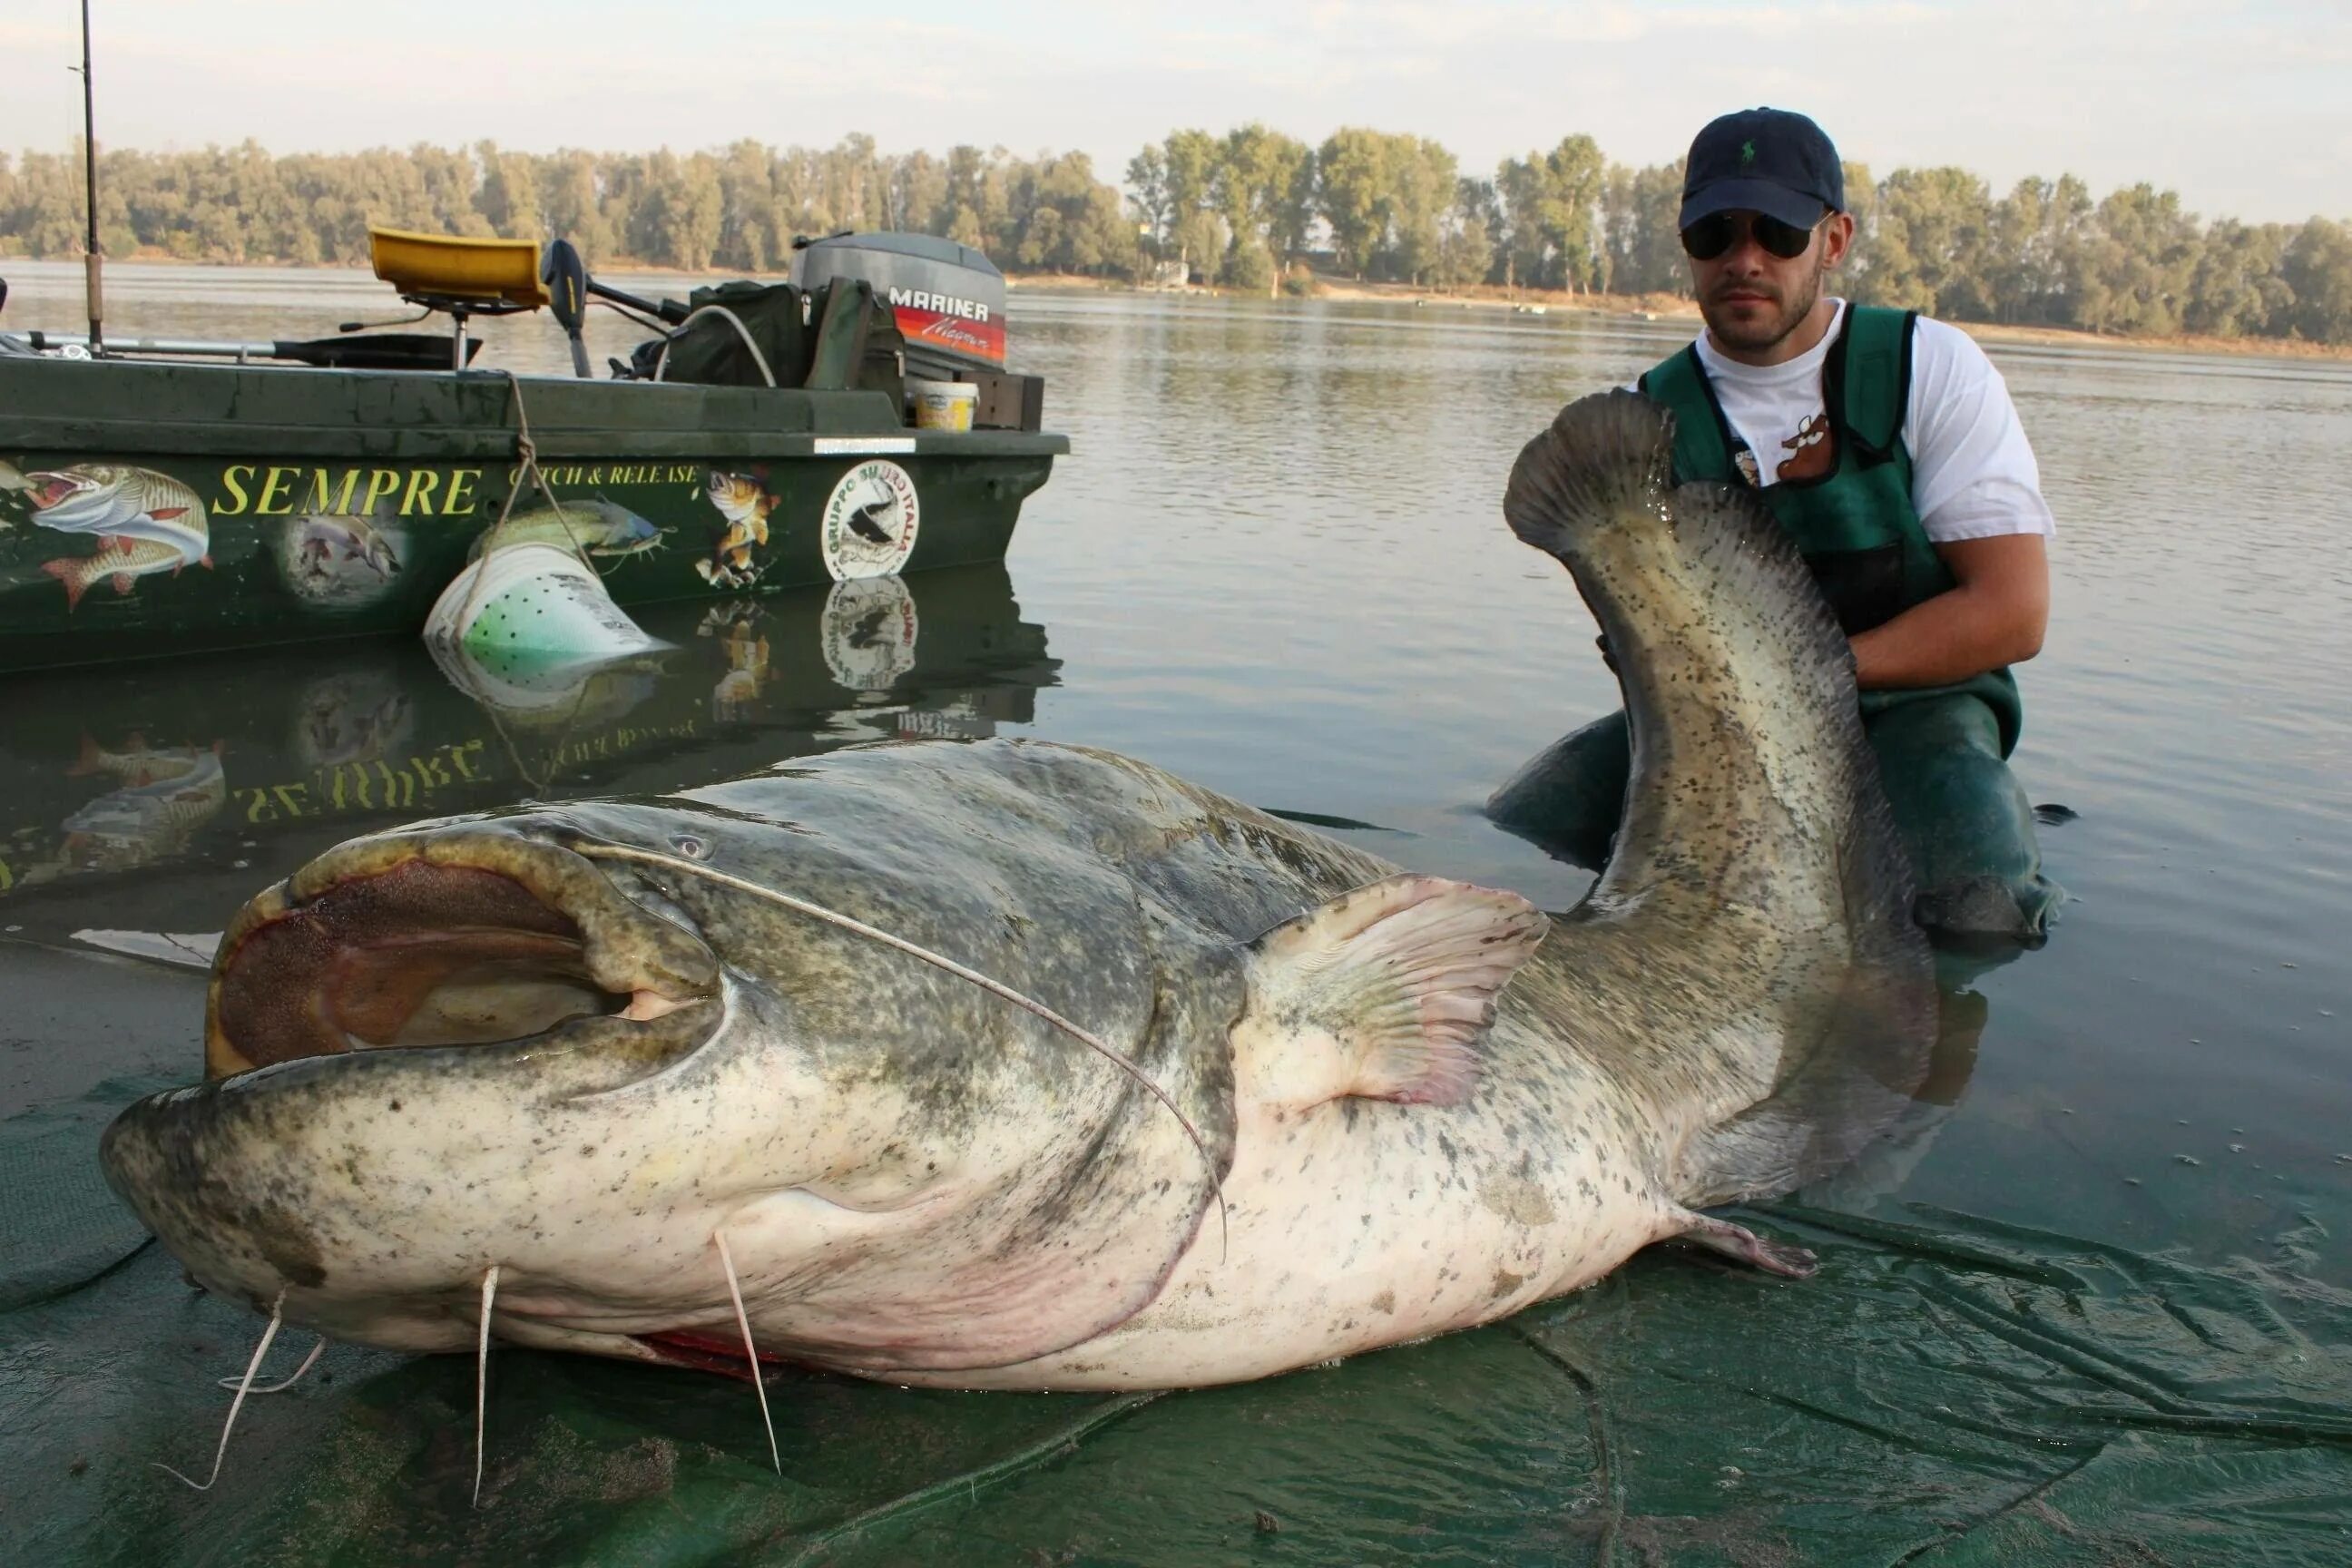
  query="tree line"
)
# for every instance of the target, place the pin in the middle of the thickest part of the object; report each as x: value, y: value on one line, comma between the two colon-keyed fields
x: 736, y: 209
x: 1251, y: 209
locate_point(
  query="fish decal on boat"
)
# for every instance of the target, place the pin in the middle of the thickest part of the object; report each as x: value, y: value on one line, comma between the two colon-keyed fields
x: 1015, y: 1065
x: 339, y: 560
x: 12, y: 483
x: 601, y: 527
x: 743, y: 500
x: 144, y: 523
x: 121, y: 563
x: 870, y: 521
x: 321, y: 541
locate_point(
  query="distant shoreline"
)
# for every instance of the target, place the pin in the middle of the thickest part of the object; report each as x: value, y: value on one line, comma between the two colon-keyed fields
x: 1484, y: 295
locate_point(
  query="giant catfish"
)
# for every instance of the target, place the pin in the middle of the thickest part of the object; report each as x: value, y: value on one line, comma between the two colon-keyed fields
x: 579, y: 1050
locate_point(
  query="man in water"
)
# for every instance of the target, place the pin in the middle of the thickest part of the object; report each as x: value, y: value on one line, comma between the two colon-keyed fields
x: 1887, y: 447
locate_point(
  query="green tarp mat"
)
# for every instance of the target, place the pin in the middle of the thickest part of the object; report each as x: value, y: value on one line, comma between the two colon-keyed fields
x: 1946, y: 1391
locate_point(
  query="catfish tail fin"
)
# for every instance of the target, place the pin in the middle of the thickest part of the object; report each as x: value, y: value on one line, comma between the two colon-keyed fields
x: 1757, y: 905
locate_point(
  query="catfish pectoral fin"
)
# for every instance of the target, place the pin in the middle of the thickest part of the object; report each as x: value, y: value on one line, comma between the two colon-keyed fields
x: 1383, y: 992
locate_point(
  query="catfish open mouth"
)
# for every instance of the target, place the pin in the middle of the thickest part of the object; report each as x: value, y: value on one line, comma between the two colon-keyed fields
x: 451, y: 939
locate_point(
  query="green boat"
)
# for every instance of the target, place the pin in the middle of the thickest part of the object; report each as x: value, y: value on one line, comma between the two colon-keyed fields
x: 172, y: 497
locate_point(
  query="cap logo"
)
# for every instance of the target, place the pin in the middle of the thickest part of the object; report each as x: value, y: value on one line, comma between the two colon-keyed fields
x: 1747, y: 153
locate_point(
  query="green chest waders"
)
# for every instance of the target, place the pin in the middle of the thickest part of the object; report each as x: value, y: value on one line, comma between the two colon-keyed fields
x: 1855, y: 525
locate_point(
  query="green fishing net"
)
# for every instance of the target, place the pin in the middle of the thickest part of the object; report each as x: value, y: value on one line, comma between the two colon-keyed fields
x: 1947, y: 1390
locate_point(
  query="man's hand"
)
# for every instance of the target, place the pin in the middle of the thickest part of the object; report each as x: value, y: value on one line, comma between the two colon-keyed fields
x: 1993, y: 614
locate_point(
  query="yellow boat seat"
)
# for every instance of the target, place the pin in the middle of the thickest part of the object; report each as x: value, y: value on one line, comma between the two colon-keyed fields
x: 491, y: 276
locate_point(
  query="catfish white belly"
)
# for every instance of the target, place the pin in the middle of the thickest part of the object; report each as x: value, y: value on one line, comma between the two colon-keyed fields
x: 1352, y: 1227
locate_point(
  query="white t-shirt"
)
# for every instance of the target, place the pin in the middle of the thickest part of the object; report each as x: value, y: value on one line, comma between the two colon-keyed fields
x: 1972, y: 473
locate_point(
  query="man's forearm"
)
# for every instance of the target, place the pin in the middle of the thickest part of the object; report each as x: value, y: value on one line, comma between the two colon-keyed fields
x: 1993, y: 614
x: 1959, y: 633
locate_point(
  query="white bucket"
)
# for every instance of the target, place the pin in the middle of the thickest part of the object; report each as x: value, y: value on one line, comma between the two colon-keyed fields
x: 533, y: 604
x: 943, y: 404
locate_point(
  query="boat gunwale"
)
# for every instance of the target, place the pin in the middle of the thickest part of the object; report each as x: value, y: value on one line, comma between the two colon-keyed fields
x: 392, y: 415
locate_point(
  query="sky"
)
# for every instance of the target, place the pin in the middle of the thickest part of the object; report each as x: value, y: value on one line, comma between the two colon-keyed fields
x: 2242, y: 108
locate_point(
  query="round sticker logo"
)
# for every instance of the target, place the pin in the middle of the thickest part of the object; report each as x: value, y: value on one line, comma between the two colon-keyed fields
x: 868, y: 633
x: 870, y: 520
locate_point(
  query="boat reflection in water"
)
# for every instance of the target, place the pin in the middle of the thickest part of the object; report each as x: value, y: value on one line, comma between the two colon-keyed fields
x: 162, y: 795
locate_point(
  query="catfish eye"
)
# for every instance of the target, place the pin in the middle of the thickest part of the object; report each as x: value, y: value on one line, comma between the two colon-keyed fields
x: 692, y: 847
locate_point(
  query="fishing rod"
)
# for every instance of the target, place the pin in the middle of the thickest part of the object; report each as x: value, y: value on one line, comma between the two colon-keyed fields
x: 378, y: 351
x: 92, y: 266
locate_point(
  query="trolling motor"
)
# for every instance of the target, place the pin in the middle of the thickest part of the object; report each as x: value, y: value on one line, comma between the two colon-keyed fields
x: 566, y: 277
x: 568, y: 287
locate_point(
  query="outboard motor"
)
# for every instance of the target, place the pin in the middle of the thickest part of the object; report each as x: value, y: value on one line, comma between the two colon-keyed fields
x: 949, y: 298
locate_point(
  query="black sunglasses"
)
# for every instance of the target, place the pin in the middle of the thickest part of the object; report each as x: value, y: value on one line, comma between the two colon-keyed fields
x: 1711, y: 236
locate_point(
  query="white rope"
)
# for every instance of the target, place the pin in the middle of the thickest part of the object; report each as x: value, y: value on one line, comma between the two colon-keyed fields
x: 527, y: 471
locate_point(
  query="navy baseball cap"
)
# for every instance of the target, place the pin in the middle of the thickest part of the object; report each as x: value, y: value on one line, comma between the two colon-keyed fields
x: 1766, y: 161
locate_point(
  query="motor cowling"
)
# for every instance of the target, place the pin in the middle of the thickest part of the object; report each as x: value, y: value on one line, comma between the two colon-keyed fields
x: 949, y: 299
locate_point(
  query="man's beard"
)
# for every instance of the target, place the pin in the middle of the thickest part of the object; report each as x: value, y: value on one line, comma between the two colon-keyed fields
x: 1758, y: 335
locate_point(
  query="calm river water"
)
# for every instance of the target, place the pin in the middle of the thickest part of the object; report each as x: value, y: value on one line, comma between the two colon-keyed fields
x: 1274, y: 564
